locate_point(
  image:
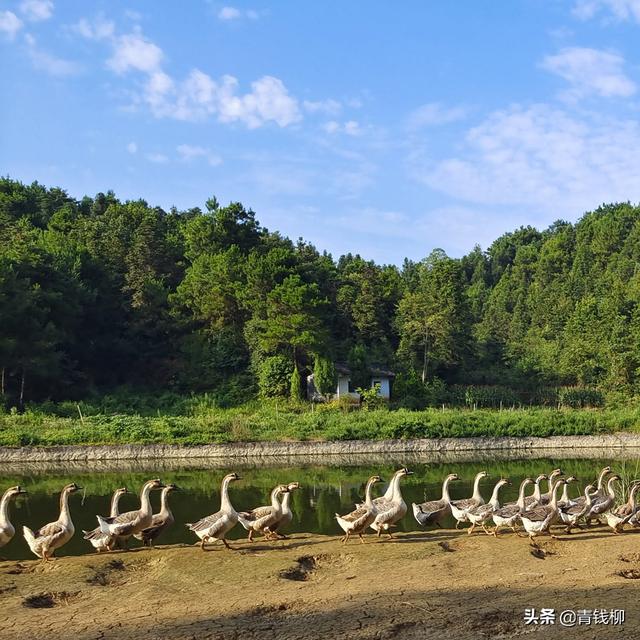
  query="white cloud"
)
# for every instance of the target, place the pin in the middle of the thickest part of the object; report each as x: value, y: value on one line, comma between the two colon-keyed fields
x: 132, y: 147
x: 100, y: 29
x: 350, y: 127
x: 189, y: 152
x: 590, y: 71
x: 37, y: 10
x: 329, y: 107
x: 47, y: 62
x: 134, y: 51
x: 623, y: 10
x: 157, y: 158
x: 10, y: 24
x: 542, y: 159
x: 198, y: 96
x: 228, y: 14
x: 433, y: 114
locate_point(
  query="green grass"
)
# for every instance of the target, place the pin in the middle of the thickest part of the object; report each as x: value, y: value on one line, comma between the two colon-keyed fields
x: 201, y: 423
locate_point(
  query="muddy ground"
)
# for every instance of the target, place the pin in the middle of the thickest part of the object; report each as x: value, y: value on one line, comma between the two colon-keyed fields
x: 441, y: 584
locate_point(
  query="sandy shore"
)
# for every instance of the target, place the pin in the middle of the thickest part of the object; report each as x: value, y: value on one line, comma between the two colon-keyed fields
x: 441, y: 584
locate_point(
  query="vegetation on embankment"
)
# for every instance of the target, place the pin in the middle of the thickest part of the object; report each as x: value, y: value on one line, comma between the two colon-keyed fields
x: 297, y: 421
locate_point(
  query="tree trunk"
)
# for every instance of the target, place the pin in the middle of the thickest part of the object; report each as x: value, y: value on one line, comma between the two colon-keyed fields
x: 21, y: 401
x: 2, y: 382
x: 425, y: 357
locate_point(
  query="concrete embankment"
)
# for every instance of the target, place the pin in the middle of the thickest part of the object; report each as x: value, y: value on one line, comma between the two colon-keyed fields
x: 623, y: 444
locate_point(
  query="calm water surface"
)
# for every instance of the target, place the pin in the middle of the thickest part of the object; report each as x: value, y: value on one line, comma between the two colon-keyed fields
x: 325, y: 490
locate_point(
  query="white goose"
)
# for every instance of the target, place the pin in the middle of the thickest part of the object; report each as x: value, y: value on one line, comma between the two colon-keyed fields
x: 54, y: 535
x: 538, y: 520
x: 434, y: 511
x: 161, y: 520
x: 358, y: 520
x: 617, y: 518
x: 261, y: 519
x: 287, y: 514
x: 600, y: 492
x: 7, y: 530
x: 565, y: 501
x: 534, y: 499
x: 217, y: 525
x: 101, y: 541
x: 508, y: 515
x: 572, y: 513
x: 601, y: 504
x: 124, y: 525
x: 545, y: 498
x: 482, y: 514
x: 391, y: 507
x: 459, y: 508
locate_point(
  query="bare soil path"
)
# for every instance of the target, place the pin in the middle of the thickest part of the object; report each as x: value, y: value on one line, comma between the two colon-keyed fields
x: 441, y: 584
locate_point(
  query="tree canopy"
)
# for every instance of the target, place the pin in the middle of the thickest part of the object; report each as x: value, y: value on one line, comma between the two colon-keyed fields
x: 97, y: 293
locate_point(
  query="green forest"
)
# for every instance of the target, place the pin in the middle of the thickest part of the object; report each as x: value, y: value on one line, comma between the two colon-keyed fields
x: 100, y: 297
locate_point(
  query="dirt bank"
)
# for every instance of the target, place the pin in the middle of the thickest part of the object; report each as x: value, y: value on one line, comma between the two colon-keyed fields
x: 441, y: 584
x: 590, y: 446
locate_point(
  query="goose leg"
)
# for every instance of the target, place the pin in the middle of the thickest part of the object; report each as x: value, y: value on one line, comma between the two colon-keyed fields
x: 390, y: 535
x: 471, y: 528
x: 226, y: 544
x: 361, y: 538
x: 250, y: 536
x: 202, y: 542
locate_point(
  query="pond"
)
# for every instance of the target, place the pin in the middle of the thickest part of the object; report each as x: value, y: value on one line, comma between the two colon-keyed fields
x: 327, y: 488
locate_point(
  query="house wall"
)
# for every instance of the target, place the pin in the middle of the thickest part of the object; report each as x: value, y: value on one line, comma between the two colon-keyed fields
x: 385, y: 387
x: 343, y: 386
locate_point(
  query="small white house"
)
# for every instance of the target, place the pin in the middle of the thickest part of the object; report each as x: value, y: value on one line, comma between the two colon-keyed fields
x: 345, y: 388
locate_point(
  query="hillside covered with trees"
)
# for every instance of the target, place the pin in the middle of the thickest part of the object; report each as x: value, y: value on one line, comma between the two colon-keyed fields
x: 99, y: 294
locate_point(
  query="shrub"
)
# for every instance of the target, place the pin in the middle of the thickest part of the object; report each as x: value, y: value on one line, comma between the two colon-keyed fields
x: 324, y: 375
x: 580, y: 397
x: 274, y: 378
x: 295, y: 385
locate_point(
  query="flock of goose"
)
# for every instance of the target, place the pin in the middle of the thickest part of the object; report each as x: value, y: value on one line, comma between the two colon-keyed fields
x: 536, y: 512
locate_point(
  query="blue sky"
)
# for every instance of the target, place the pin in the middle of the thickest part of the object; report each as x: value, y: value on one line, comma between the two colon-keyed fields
x: 387, y: 129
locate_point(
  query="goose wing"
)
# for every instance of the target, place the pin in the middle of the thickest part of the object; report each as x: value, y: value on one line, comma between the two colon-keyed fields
x: 158, y: 524
x: 356, y: 515
x: 125, y: 523
x: 51, y: 533
x: 536, y: 515
x: 213, y: 522
x: 508, y: 511
x: 466, y: 504
x: 257, y: 513
x: 432, y: 506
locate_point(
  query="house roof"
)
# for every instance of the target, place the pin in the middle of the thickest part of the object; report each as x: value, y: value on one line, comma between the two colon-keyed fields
x: 374, y: 370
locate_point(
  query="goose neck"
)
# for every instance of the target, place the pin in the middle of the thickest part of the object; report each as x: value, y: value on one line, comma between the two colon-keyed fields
x: 554, y: 494
x: 520, y: 501
x: 445, y: 490
x: 367, y: 498
x: 476, y: 487
x: 601, y: 478
x: 4, y: 508
x: 274, y: 498
x: 494, y: 496
x: 145, y: 503
x: 225, y: 503
x: 65, y: 515
x: 115, y: 501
